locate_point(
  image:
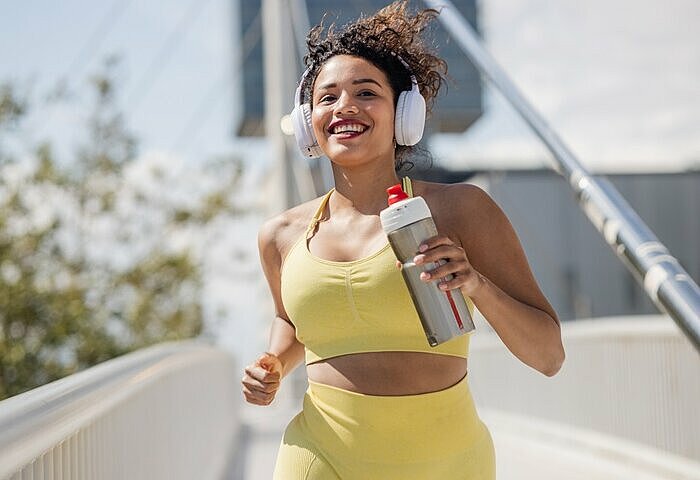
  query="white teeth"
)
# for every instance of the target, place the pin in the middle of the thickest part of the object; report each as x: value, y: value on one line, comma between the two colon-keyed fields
x: 350, y: 127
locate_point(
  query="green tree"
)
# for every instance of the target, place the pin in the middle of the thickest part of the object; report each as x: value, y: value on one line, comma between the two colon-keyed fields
x: 86, y: 272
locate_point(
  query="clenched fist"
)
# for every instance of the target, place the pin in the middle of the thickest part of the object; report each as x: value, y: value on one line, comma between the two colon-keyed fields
x: 262, y: 379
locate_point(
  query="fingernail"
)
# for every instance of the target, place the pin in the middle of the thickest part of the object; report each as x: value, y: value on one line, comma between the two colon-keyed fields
x: 418, y: 259
x: 424, y: 276
x: 422, y: 248
x: 443, y: 286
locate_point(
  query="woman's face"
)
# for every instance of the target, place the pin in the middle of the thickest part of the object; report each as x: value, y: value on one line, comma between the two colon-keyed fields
x: 353, y: 111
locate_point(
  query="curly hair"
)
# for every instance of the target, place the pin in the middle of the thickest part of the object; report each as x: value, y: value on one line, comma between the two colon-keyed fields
x: 378, y: 39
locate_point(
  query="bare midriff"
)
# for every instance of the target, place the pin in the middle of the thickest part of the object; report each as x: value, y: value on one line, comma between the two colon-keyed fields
x: 389, y: 373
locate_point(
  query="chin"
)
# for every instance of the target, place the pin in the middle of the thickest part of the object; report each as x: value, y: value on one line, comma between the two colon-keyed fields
x: 348, y: 157
x: 346, y: 160
x: 344, y: 155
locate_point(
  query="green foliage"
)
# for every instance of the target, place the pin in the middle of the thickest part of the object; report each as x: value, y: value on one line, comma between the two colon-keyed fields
x: 71, y: 297
x: 12, y: 106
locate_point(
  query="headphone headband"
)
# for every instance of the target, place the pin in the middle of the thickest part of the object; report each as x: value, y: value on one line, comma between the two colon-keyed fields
x: 299, y: 92
x: 414, y: 82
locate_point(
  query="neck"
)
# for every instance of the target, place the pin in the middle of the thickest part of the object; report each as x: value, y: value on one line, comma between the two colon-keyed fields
x: 362, y: 189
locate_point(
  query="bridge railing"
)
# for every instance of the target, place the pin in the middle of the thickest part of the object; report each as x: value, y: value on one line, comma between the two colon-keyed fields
x: 165, y: 412
x: 634, y: 378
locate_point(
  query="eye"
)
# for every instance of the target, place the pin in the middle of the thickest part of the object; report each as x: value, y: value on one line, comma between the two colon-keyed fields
x: 326, y: 99
x: 367, y: 93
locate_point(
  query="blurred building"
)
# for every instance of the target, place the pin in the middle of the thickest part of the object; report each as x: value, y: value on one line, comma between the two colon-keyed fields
x: 252, y: 119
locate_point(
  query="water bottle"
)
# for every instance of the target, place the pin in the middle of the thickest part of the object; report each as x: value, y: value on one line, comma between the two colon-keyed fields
x: 407, y: 223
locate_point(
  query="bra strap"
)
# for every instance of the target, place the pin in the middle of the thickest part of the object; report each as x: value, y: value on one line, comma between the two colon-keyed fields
x: 319, y: 212
x: 407, y: 186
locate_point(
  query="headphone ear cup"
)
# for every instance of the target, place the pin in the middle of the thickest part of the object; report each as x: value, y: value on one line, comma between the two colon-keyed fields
x: 304, y: 132
x: 409, y: 121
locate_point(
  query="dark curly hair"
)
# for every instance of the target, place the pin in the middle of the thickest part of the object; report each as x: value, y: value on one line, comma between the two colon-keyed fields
x: 378, y: 39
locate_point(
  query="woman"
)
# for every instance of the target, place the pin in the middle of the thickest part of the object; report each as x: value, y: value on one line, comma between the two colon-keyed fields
x: 382, y: 403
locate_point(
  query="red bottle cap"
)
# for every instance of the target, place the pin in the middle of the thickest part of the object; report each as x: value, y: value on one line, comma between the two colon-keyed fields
x: 396, y: 194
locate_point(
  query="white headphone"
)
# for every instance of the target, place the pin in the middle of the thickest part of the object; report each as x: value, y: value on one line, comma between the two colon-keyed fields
x: 409, y: 120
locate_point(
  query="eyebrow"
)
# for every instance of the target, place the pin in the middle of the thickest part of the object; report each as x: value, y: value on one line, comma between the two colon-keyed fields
x: 354, y: 82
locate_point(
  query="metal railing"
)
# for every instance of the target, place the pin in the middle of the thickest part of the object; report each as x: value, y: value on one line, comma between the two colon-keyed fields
x: 165, y: 412
x: 664, y: 280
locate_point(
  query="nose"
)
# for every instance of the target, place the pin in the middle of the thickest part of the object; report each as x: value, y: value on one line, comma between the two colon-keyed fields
x: 346, y: 105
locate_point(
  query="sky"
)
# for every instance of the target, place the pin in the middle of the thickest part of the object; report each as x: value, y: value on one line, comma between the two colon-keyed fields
x: 616, y: 78
x: 176, y: 78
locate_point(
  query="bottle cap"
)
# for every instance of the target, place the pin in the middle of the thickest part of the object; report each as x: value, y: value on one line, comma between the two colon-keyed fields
x: 396, y: 194
x: 402, y: 210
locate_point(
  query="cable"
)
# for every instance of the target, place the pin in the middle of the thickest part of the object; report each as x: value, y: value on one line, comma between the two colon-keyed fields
x: 169, y: 46
x: 85, y: 55
x: 198, y: 117
x: 249, y: 40
x: 98, y: 36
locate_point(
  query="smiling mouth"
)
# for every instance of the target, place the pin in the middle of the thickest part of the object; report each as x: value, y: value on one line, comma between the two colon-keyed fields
x: 348, y: 129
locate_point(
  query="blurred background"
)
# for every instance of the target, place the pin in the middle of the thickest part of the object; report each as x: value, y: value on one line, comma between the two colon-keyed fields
x: 137, y: 161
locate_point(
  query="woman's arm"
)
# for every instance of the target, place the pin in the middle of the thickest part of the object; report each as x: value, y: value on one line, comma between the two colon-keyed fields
x: 491, y: 269
x: 262, y: 379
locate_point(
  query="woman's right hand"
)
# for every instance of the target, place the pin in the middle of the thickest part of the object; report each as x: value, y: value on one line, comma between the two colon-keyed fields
x: 262, y: 379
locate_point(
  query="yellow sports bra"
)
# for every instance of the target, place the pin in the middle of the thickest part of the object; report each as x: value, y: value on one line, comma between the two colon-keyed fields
x: 359, y: 306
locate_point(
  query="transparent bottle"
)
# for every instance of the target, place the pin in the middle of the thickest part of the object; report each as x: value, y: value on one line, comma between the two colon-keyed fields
x: 408, y: 222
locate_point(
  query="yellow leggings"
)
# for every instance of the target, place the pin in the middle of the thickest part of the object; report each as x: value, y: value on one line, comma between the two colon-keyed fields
x: 351, y: 436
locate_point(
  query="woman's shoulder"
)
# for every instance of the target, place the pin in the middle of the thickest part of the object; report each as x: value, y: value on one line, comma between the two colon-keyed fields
x: 462, y: 207
x: 282, y: 230
x: 464, y: 197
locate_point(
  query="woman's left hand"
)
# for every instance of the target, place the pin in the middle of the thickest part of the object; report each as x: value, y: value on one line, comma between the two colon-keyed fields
x: 450, y: 259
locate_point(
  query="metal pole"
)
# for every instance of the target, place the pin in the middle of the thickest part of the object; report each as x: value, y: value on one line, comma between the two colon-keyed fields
x: 663, y: 278
x: 281, y: 198
x: 306, y: 169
